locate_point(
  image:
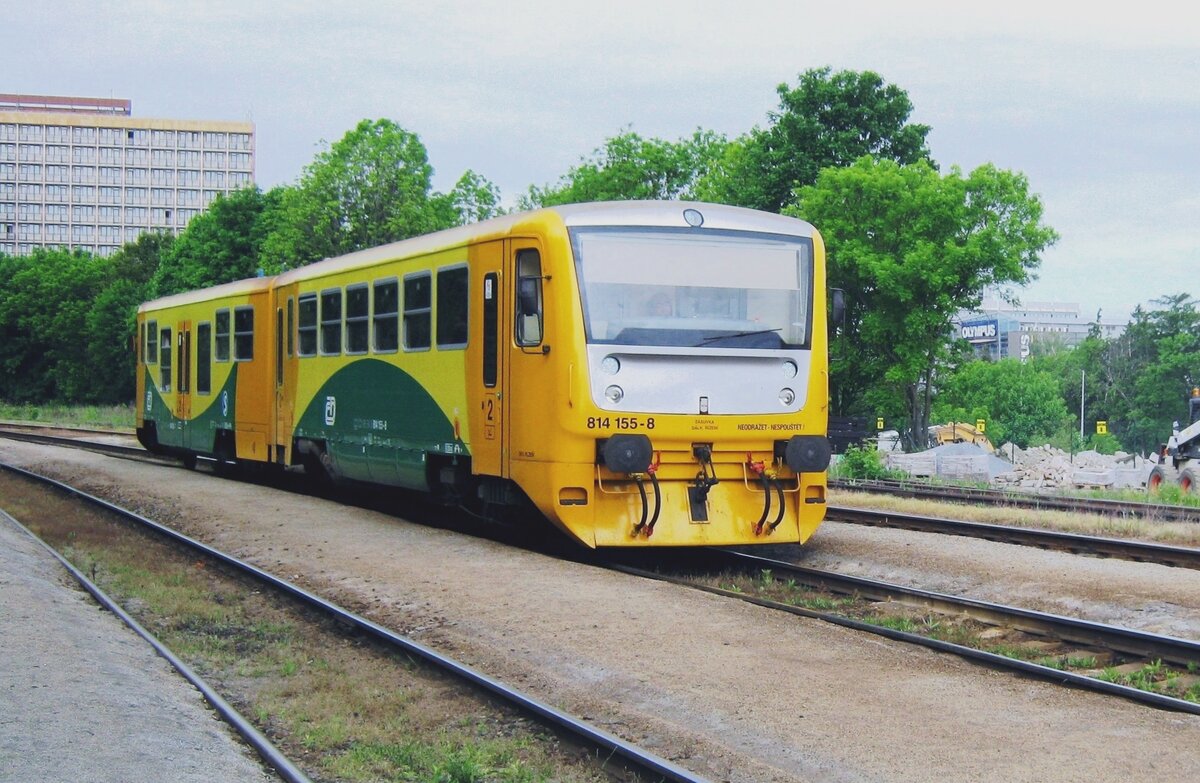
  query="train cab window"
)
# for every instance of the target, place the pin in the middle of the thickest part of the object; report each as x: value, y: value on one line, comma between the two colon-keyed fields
x: 528, y: 323
x: 141, y: 343
x: 152, y: 342
x: 417, y: 311
x: 358, y: 318
x: 308, y: 324
x: 243, y: 334
x: 386, y: 321
x: 222, y: 343
x: 204, y: 358
x: 331, y: 322
x: 452, y: 307
x: 164, y: 365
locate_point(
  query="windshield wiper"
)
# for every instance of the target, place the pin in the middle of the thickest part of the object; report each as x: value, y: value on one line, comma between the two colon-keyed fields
x: 713, y: 339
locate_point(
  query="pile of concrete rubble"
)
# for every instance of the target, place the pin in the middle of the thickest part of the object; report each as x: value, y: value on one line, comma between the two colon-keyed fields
x: 1035, y: 468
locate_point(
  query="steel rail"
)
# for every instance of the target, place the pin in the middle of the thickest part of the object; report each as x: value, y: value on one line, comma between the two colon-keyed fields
x: 1123, y: 640
x: 86, y: 445
x: 1081, y: 631
x: 1123, y: 549
x: 1120, y: 508
x: 266, y: 750
x: 597, y: 737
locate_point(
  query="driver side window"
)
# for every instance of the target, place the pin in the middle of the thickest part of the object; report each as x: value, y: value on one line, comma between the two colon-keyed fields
x: 529, y: 298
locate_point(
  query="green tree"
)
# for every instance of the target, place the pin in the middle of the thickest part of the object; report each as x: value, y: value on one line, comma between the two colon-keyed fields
x: 46, y: 299
x: 219, y: 245
x: 912, y: 248
x: 109, y: 330
x: 371, y: 187
x: 629, y: 167
x: 473, y: 198
x: 1021, y: 402
x: 1138, y: 382
x: 830, y: 119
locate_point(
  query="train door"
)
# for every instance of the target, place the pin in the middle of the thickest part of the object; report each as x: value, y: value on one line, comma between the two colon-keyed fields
x: 183, y: 381
x: 530, y: 392
x: 284, y: 350
x: 486, y: 360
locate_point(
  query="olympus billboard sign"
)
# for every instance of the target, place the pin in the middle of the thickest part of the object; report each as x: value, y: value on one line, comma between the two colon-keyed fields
x: 978, y: 331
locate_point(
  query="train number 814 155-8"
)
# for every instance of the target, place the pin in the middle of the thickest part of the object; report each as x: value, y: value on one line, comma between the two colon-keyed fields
x: 620, y: 423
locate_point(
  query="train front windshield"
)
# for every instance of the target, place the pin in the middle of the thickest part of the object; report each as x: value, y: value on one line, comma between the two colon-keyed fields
x: 694, y: 289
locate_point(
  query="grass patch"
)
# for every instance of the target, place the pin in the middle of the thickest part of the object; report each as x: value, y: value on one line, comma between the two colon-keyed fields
x: 1172, y: 533
x: 1182, y: 683
x: 119, y: 417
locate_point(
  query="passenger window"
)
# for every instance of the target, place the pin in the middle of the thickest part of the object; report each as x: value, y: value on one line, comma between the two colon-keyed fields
x: 204, y: 358
x: 222, y: 346
x: 529, y: 298
x: 164, y: 366
x: 308, y: 324
x: 152, y: 343
x: 331, y: 322
x: 358, y: 318
x: 417, y: 311
x: 452, y: 307
x: 243, y: 334
x: 387, y: 316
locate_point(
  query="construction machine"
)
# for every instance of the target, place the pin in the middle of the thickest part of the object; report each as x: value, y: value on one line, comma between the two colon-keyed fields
x: 1179, y: 457
x: 959, y: 432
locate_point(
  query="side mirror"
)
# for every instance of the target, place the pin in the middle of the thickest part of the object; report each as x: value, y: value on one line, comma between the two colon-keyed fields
x: 838, y: 309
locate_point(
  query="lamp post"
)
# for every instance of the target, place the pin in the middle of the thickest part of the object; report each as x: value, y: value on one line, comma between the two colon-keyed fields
x: 1082, y: 388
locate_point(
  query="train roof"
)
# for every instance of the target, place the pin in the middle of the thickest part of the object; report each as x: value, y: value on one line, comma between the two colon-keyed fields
x: 653, y: 214
x: 245, y: 287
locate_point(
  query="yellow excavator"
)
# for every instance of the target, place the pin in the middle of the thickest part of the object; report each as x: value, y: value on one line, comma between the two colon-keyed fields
x: 959, y: 432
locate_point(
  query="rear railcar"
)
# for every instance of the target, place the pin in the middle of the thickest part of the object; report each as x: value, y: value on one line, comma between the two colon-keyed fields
x: 203, y: 380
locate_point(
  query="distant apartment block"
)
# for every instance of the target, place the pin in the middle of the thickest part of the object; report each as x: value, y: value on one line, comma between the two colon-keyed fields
x: 83, y: 173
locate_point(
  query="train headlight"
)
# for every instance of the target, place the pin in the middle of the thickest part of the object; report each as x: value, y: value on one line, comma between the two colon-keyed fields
x: 787, y: 397
x: 614, y: 394
x: 789, y: 369
x: 611, y: 365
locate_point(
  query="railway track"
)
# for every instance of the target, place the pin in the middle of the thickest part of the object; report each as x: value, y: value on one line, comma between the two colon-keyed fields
x: 643, y: 764
x: 1120, y: 548
x: 1124, y: 549
x: 1078, y: 639
x: 1118, y: 508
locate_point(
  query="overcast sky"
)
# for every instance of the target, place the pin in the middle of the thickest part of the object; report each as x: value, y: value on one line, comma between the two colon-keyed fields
x: 1100, y: 111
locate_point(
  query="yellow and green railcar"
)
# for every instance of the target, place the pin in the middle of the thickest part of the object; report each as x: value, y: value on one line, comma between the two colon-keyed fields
x: 641, y: 373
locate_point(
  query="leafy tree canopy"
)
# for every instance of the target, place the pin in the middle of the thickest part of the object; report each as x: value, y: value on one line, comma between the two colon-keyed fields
x: 1021, y: 402
x: 371, y: 187
x: 219, y: 245
x: 46, y: 300
x: 830, y: 119
x: 912, y: 248
x: 629, y: 167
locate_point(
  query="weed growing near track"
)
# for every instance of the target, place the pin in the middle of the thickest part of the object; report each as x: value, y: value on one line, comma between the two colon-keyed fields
x: 119, y: 417
x: 1156, y: 677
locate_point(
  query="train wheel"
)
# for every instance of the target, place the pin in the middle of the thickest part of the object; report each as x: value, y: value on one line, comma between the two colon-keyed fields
x: 189, y: 461
x: 1188, y: 478
x: 1161, y: 476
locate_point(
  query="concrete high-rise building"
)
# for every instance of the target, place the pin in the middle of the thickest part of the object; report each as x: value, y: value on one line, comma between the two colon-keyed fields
x: 83, y: 173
